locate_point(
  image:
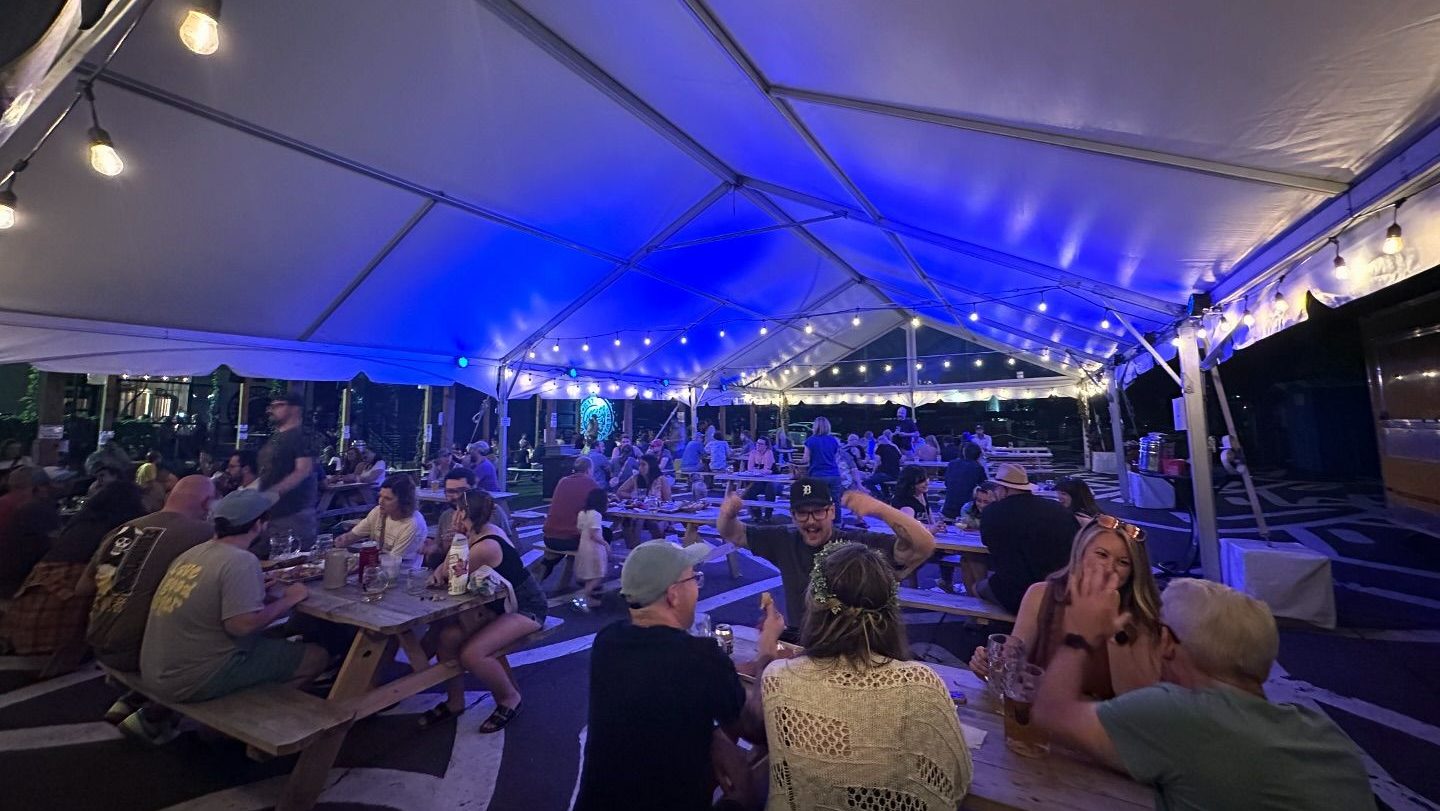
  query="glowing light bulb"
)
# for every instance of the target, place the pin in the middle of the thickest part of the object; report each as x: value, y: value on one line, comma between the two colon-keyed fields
x: 764, y: 330
x: 1247, y: 319
x: 200, y: 32
x: 722, y: 333
x: 647, y: 339
x: 103, y: 157
x: 463, y: 361
x: 555, y: 347
x: 979, y: 362
x: 1280, y: 304
x: 1175, y: 341
x: 946, y: 364
x: 1009, y: 361
x: 834, y: 370
x: 974, y: 315
x: 684, y: 339
x: 531, y: 354
x: 862, y: 368
x: 887, y: 367
x: 1342, y: 270
x: 1394, y: 240
x: 809, y: 329
x: 1042, y: 307
x: 584, y: 347
x: 919, y: 365
x: 855, y: 322
x: 1104, y: 323
x: 617, y: 340
x: 1226, y: 321
x: 915, y: 321
x: 7, y: 209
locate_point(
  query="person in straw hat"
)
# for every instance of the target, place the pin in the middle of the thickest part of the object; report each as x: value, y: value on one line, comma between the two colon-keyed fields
x: 1028, y: 537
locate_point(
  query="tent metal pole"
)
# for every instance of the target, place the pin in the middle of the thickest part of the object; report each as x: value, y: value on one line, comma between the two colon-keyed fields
x: 242, y: 419
x: 1159, y: 361
x: 1183, y: 162
x: 748, y: 232
x: 1197, y: 436
x: 1117, y: 432
x: 425, y: 428
x: 503, y: 453
x: 912, y: 375
x: 344, y: 415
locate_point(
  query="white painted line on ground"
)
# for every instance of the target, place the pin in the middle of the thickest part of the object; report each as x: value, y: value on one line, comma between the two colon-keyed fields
x: 1391, y: 595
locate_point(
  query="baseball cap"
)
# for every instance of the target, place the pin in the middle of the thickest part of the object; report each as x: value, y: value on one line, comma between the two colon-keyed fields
x: 288, y: 398
x: 244, y: 506
x: 809, y: 493
x: 654, y: 566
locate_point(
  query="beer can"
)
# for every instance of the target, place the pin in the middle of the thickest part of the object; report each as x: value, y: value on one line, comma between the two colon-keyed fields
x: 725, y: 638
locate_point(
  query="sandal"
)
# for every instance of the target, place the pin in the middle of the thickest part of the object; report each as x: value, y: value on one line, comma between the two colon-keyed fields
x: 438, y: 714
x: 499, y: 718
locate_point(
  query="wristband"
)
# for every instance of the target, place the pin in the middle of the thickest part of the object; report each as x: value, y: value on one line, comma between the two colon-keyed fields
x: 1078, y: 642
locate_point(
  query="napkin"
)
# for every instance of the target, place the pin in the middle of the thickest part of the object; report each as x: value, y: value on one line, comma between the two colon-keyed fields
x: 974, y: 738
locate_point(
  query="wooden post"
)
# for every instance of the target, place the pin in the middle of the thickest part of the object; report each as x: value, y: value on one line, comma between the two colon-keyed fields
x: 627, y: 423
x: 345, y: 417
x: 754, y: 424
x: 720, y: 423
x: 109, y: 408
x: 242, y: 418
x: 425, y: 427
x: 50, y: 408
x: 485, y: 419
x: 447, y: 419
x: 502, y: 454
x: 552, y: 434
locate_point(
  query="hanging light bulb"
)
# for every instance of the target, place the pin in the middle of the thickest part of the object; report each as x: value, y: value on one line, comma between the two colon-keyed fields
x: 888, y: 367
x: 530, y: 354
x: 1042, y: 307
x: 1009, y: 361
x: 979, y: 362
x: 915, y: 321
x: 617, y: 340
x: 1342, y: 271
x: 1394, y: 241
x: 1246, y: 317
x: 919, y: 365
x: 1226, y: 322
x: 722, y: 333
x: 1175, y: 341
x: 784, y: 372
x: 862, y: 368
x: 1280, y: 304
x: 834, y: 370
x: 684, y: 339
x: 585, y: 347
x: 946, y: 364
x: 8, y: 203
x: 1105, y: 322
x: 201, y: 29
x: 555, y: 347
x: 103, y: 157
x: 974, y: 313
x: 647, y: 339
x: 764, y: 330
x: 1045, y: 354
x: 809, y: 329
x: 855, y: 320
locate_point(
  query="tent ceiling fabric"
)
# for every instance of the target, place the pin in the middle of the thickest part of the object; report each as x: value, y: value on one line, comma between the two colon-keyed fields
x: 352, y: 186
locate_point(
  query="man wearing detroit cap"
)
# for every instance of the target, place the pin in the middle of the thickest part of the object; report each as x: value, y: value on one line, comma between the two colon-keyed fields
x: 792, y: 548
x: 656, y: 693
x: 203, y: 637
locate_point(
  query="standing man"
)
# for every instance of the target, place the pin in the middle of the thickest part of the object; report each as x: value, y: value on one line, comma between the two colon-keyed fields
x: 792, y: 548
x: 962, y: 476
x: 1028, y: 537
x: 288, y: 469
x: 656, y: 692
x: 907, y: 433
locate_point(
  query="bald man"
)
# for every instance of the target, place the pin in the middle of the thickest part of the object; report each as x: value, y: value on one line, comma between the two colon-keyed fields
x: 131, y: 562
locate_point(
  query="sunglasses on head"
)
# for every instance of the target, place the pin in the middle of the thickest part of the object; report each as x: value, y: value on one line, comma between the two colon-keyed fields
x: 1114, y: 524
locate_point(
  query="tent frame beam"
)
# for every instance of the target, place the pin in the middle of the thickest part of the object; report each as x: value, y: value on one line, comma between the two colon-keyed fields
x: 380, y: 256
x: 1197, y: 437
x: 1290, y: 180
x: 764, y: 229
x: 1155, y: 353
x: 789, y: 323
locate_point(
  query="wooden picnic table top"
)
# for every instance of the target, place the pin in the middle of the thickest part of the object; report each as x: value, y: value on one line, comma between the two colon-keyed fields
x: 778, y: 504
x: 773, y: 478
x: 706, y: 517
x: 1005, y: 780
x: 438, y: 495
x: 396, y: 612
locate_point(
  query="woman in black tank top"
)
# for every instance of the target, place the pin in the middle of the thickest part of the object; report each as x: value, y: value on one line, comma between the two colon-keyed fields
x: 478, y: 651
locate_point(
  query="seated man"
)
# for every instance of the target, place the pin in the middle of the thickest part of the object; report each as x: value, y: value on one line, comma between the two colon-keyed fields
x: 962, y: 476
x: 459, y: 483
x: 562, y: 529
x: 887, y: 466
x: 719, y: 452
x: 656, y: 693
x: 690, y: 456
x: 793, y: 548
x: 1206, y: 736
x: 394, y: 523
x: 486, y: 477
x: 1028, y: 536
x: 241, y: 472
x: 28, y: 517
x: 202, y: 640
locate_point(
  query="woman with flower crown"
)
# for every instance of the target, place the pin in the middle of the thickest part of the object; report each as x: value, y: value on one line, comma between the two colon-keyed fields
x: 853, y: 722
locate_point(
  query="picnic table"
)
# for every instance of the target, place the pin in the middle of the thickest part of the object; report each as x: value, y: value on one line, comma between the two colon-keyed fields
x: 1003, y: 780
x: 693, y: 521
x: 328, y: 492
x: 398, y: 617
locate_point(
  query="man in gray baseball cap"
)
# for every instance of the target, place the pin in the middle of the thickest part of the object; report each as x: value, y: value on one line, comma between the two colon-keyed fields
x: 656, y: 692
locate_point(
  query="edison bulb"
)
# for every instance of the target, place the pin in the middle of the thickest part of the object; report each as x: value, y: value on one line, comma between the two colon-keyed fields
x: 200, y: 32
x: 809, y: 329
x: 1248, y: 319
x: 7, y: 209
x: 974, y: 316
x: 1281, y: 305
x: 103, y: 157
x: 1394, y: 240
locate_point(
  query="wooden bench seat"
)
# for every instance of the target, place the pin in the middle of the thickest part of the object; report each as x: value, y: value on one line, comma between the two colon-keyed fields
x: 960, y: 604
x: 272, y: 718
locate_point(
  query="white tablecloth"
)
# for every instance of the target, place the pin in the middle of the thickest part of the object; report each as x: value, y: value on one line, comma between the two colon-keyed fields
x: 1292, y: 579
x: 1151, y: 492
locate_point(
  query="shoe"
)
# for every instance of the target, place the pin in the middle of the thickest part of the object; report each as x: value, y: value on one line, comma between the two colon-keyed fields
x: 119, y: 711
x: 137, y: 728
x: 941, y: 585
x: 581, y: 605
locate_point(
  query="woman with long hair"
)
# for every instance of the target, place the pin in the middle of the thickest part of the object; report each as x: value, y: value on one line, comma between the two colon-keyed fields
x: 821, y: 455
x: 1130, y: 659
x: 648, y: 481
x: 910, y: 493
x: 394, y: 522
x: 46, y: 613
x: 929, y: 450
x: 510, y: 619
x: 1075, y: 496
x: 854, y: 684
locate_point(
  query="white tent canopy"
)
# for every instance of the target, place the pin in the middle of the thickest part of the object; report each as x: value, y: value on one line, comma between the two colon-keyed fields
x: 379, y: 187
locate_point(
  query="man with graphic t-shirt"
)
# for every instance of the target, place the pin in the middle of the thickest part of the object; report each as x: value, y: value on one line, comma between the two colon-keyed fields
x: 288, y: 469
x: 793, y: 548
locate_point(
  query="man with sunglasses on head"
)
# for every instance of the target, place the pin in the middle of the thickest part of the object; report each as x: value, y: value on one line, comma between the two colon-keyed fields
x: 792, y: 548
x: 1206, y: 736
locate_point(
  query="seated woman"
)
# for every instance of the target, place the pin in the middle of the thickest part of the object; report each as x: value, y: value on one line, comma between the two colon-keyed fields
x: 477, y: 649
x: 1075, y: 496
x: 46, y: 613
x: 394, y: 523
x: 760, y: 460
x: 984, y: 496
x: 929, y: 450
x: 910, y: 493
x: 853, y: 711
x: 648, y: 481
x: 1131, y: 659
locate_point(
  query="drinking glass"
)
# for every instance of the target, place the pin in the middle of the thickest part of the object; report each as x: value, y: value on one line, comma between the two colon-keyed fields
x: 1004, y: 651
x: 292, y: 544
x: 701, y: 626
x: 374, y: 584
x: 278, y: 548
x: 1022, y: 737
x: 323, y: 543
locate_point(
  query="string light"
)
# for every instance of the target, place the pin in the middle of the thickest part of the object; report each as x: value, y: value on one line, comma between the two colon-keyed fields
x: 809, y: 329
x: 855, y: 320
x: 915, y: 321
x: 1009, y: 361
x: 974, y: 313
x: 7, y: 208
x: 862, y: 368
x: 919, y: 365
x: 530, y: 354
x: 1105, y: 322
x: 1394, y: 239
x: 585, y: 347
x: 722, y: 333
x: 764, y: 330
x: 1342, y: 271
x: 887, y: 367
x: 103, y: 157
x: 555, y: 347
x: 1175, y: 341
x: 834, y: 370
x: 647, y: 339
x: 946, y: 364
x: 1246, y: 317
x: 1280, y: 304
x: 200, y: 32
x: 1225, y: 321
x: 1045, y: 354
x: 617, y: 340
x: 1042, y: 307
x: 979, y: 362
x: 684, y: 339
x: 463, y: 361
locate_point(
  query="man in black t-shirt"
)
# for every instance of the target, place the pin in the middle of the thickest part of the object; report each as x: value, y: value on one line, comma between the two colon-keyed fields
x: 887, y: 466
x: 962, y: 476
x: 792, y: 548
x: 656, y: 693
x: 1029, y: 538
x: 288, y: 468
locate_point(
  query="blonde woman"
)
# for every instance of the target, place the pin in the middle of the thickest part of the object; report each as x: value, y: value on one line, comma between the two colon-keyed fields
x: 854, y: 711
x: 929, y: 450
x: 822, y: 456
x: 1131, y: 659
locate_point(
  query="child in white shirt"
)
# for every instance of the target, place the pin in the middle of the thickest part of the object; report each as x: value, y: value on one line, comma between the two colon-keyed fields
x: 592, y: 557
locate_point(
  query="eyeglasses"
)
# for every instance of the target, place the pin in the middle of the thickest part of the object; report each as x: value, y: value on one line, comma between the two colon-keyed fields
x: 811, y: 515
x: 698, y: 577
x: 1114, y: 524
x: 456, y: 491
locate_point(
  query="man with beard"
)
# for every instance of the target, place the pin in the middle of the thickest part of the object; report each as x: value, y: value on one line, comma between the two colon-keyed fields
x: 792, y: 548
x: 287, y: 469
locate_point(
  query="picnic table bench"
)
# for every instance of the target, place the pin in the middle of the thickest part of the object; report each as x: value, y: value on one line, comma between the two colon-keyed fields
x: 962, y: 605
